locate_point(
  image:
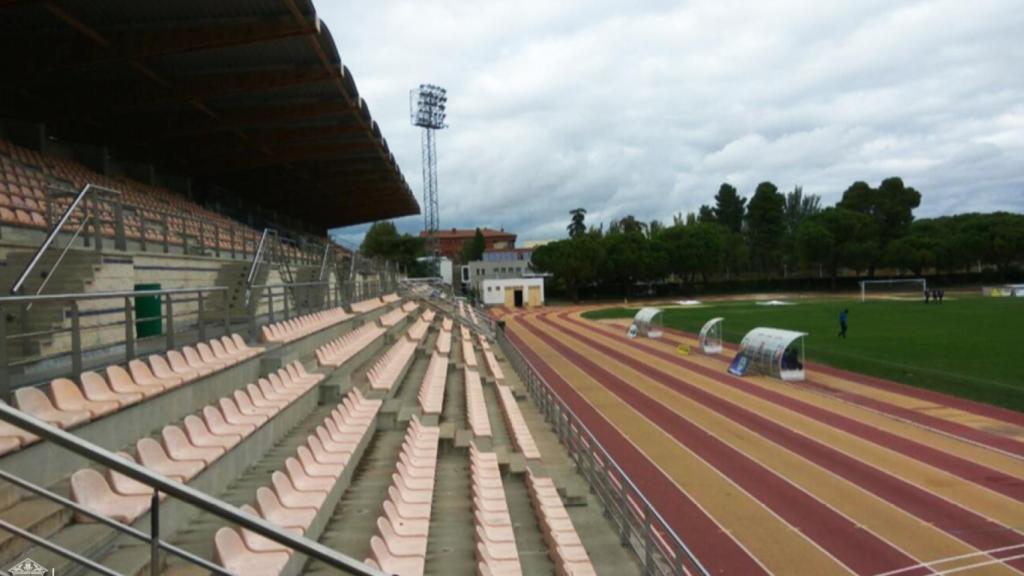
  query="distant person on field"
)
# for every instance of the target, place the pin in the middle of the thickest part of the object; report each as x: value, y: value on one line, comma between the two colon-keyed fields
x: 842, y: 322
x: 942, y: 295
x: 927, y: 295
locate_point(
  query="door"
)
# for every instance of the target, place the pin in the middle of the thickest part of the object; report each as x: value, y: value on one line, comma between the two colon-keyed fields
x: 509, y: 298
x: 534, y: 298
x: 517, y: 298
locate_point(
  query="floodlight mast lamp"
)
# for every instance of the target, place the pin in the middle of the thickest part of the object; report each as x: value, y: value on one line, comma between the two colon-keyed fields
x: 427, y: 109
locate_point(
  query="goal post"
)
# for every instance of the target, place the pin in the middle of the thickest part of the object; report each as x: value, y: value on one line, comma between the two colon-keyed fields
x: 918, y: 285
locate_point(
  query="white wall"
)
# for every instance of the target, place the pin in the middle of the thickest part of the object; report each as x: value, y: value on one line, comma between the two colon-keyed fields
x: 493, y: 291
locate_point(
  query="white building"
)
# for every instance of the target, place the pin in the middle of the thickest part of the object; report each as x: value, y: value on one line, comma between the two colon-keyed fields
x: 513, y: 292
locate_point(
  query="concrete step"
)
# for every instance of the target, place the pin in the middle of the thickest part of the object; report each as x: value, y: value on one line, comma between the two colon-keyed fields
x: 354, y: 520
x: 89, y: 540
x: 37, y: 515
x: 451, y: 544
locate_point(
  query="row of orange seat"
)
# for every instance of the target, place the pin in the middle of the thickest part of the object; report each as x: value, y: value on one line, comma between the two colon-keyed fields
x: 468, y: 353
x: 295, y: 328
x: 444, y: 341
x: 521, y: 435
x: 496, y: 551
x: 384, y: 373
x: 564, y: 545
x: 400, y: 545
x: 342, y: 349
x: 476, y: 405
x: 297, y: 493
x: 418, y: 329
x: 185, y: 451
x: 364, y: 306
x: 66, y: 405
x: 393, y: 317
x: 431, y: 395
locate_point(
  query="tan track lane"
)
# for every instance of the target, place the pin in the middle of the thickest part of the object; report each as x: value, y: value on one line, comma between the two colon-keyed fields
x: 995, y: 506
x: 971, y: 452
x: 901, y: 529
x: 775, y: 543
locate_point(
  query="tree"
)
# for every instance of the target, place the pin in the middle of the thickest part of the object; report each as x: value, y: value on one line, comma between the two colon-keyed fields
x: 799, y: 207
x: 383, y: 241
x: 838, y: 238
x: 655, y: 227
x: 573, y: 262
x: 891, y: 206
x: 766, y: 227
x: 627, y: 225
x: 577, y: 227
x: 706, y: 214
x: 473, y: 250
x: 627, y: 259
x: 729, y: 208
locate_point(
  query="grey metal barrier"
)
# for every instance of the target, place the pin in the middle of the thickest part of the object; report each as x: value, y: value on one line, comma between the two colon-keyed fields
x: 160, y: 485
x: 641, y: 528
x: 198, y: 323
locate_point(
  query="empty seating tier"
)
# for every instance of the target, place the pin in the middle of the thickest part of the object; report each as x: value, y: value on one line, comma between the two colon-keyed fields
x: 390, y: 298
x: 514, y: 419
x: 496, y: 551
x: 393, y: 317
x: 476, y: 406
x: 342, y: 349
x: 431, y: 394
x: 364, y: 306
x: 564, y: 545
x: 182, y: 452
x: 409, y: 306
x: 493, y: 366
x: 444, y: 342
x: 428, y: 316
x: 296, y: 493
x: 418, y: 330
x: 387, y: 369
x: 468, y: 355
x: 447, y: 324
x: 289, y: 330
x: 66, y: 405
x: 400, y: 545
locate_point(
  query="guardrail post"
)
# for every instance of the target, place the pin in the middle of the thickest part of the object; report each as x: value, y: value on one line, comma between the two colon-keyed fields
x: 270, y: 303
x: 5, y: 382
x: 154, y: 534
x: 129, y: 330
x: 97, y: 223
x: 232, y: 242
x: 170, y: 322
x: 76, y: 340
x: 120, y: 242
x: 287, y: 310
x: 167, y: 243
x: 227, y: 313
x: 648, y: 544
x: 142, y: 232
x: 201, y: 319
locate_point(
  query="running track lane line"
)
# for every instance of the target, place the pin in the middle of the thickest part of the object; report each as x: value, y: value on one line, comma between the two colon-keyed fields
x: 861, y: 551
x: 904, y: 495
x: 973, y: 472
x: 713, y: 545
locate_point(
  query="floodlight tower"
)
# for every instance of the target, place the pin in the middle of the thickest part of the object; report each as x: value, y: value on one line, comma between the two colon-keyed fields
x: 427, y: 106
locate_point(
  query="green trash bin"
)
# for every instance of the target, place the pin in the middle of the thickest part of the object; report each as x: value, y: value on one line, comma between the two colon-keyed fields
x: 147, y: 312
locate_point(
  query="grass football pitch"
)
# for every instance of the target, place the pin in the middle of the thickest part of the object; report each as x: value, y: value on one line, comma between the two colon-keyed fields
x: 971, y: 347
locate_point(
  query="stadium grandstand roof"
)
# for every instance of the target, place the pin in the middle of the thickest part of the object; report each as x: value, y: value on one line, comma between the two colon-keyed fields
x: 468, y: 233
x: 245, y: 95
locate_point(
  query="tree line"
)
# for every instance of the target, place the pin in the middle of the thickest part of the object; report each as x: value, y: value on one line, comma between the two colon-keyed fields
x: 774, y: 234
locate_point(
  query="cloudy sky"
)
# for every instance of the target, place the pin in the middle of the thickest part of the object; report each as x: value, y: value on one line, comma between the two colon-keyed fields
x: 645, y: 107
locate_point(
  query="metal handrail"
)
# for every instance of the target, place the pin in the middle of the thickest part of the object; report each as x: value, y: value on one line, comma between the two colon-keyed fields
x: 54, y: 232
x: 124, y: 528
x: 63, y: 253
x: 104, y: 295
x: 593, y: 442
x: 183, y: 492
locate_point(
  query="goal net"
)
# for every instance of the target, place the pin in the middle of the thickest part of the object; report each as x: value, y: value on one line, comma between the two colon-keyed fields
x: 896, y: 289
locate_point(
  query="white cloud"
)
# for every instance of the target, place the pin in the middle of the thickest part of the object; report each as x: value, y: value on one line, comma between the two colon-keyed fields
x: 647, y: 107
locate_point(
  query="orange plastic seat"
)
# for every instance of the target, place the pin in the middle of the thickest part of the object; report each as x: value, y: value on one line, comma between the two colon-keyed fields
x: 126, y: 486
x: 393, y: 563
x: 207, y: 356
x: 232, y: 415
x: 174, y: 366
x: 218, y: 425
x: 67, y: 396
x: 90, y: 489
x: 153, y: 456
x: 247, y: 408
x: 95, y: 388
x: 179, y: 447
x: 302, y: 480
x: 36, y: 403
x: 13, y: 438
x: 231, y: 552
x: 194, y: 361
x: 144, y: 376
x: 270, y: 507
x: 292, y: 497
x: 315, y: 468
x: 200, y: 435
x: 121, y: 382
x: 257, y: 543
